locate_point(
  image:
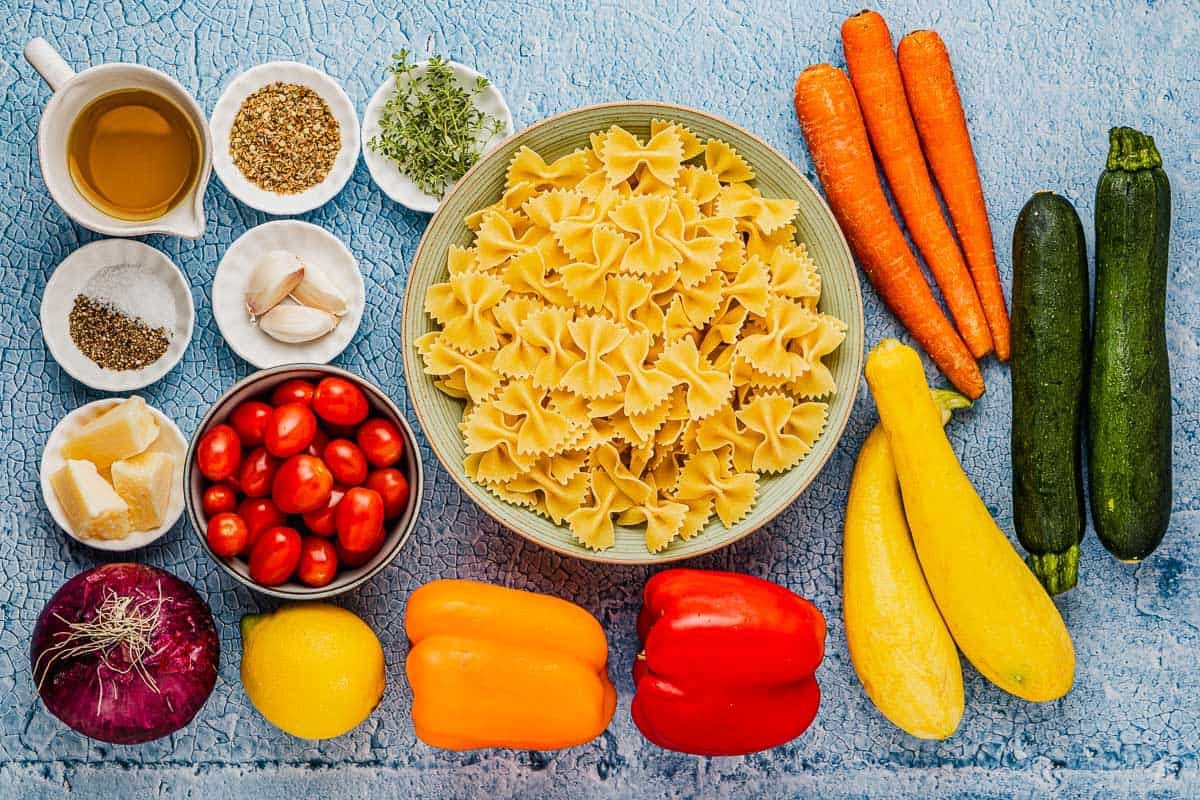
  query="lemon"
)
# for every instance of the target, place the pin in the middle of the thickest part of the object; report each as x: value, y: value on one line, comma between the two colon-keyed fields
x: 313, y: 670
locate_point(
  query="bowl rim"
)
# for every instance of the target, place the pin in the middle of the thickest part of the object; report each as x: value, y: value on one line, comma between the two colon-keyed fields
x: 836, y: 430
x: 407, y: 522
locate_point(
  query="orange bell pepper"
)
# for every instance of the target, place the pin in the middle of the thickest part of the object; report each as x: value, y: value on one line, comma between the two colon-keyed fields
x: 497, y: 667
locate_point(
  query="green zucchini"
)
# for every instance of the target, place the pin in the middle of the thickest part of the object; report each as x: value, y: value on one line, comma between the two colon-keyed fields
x: 1129, y: 393
x: 1049, y: 386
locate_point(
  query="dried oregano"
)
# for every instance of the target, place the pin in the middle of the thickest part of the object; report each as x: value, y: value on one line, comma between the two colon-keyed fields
x: 284, y: 138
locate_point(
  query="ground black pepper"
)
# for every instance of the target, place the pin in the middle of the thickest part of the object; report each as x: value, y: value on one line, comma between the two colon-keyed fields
x: 114, y: 340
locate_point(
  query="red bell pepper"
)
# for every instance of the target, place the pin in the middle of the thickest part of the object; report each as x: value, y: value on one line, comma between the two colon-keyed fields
x: 727, y: 663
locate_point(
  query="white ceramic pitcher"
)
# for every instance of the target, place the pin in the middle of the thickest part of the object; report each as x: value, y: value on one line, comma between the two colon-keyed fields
x: 72, y: 93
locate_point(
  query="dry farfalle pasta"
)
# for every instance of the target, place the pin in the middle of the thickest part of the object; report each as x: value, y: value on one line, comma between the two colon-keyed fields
x: 635, y: 335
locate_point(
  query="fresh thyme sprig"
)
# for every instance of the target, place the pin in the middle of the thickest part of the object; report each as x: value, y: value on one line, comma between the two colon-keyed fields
x: 430, y: 125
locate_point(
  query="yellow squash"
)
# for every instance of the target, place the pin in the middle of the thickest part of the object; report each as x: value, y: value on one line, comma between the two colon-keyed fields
x: 997, y: 611
x: 899, y: 645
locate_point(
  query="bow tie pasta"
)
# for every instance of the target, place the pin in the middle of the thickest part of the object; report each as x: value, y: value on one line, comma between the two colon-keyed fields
x: 635, y: 335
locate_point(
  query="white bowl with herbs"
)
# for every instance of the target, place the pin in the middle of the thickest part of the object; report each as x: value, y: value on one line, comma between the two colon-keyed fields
x: 117, y: 315
x: 285, y: 137
x: 426, y: 125
x: 288, y: 291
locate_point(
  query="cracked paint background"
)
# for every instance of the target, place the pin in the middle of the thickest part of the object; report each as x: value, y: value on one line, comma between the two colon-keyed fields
x: 1042, y: 83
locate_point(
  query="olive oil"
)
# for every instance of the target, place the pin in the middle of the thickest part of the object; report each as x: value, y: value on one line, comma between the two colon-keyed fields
x: 133, y: 154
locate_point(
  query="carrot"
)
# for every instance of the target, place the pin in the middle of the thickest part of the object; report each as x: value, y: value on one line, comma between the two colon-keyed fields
x: 833, y: 127
x: 876, y: 78
x: 937, y: 109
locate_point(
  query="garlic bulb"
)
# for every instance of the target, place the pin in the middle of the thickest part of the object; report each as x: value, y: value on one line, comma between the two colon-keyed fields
x: 295, y: 323
x: 274, y: 277
x: 318, y: 290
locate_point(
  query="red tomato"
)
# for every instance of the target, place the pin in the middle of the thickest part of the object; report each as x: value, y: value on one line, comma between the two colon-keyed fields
x: 317, y: 446
x: 346, y: 462
x: 275, y: 555
x: 318, y: 562
x: 321, y: 521
x: 290, y: 430
x: 392, y: 487
x: 258, y: 471
x: 227, y: 534
x: 219, y: 453
x: 294, y: 391
x: 218, y: 498
x: 359, y: 520
x: 259, y: 514
x: 381, y: 442
x: 302, y: 483
x: 340, y: 402
x: 350, y: 558
x: 250, y: 421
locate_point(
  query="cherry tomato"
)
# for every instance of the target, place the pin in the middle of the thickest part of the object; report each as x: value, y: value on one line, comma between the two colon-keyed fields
x: 302, y: 483
x: 227, y: 534
x: 294, y: 391
x: 258, y: 471
x: 290, y: 430
x: 318, y: 562
x: 340, y: 402
x: 218, y: 498
x: 250, y: 421
x: 259, y: 513
x: 317, y: 446
x: 381, y: 442
x: 275, y: 555
x: 219, y: 453
x: 359, y: 520
x: 350, y: 558
x: 321, y: 521
x: 392, y: 487
x: 346, y: 462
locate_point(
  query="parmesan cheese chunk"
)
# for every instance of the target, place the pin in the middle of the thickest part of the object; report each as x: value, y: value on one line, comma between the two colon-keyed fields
x: 144, y: 483
x: 93, y: 508
x: 123, y: 431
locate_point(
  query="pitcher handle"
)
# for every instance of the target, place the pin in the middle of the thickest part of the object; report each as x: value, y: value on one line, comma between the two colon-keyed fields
x: 49, y: 64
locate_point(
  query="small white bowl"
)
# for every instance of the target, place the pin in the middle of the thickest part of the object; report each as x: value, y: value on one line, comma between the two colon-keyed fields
x: 71, y: 278
x: 309, y: 242
x: 170, y: 440
x: 387, y: 175
x: 226, y: 109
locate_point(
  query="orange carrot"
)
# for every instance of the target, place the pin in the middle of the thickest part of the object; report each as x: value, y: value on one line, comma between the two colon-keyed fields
x: 937, y: 109
x: 833, y: 127
x: 876, y: 78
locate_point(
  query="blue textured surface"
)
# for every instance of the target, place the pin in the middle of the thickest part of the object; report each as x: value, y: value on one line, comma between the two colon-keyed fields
x: 1041, y: 86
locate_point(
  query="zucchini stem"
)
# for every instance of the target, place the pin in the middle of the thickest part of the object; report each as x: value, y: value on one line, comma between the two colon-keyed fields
x: 1057, y: 571
x: 1130, y: 150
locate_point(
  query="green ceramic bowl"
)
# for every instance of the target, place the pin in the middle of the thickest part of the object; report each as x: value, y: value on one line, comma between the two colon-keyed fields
x: 439, y: 415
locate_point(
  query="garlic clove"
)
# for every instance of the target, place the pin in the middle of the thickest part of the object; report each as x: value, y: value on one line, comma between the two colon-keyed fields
x: 274, y: 277
x: 318, y: 290
x: 295, y: 324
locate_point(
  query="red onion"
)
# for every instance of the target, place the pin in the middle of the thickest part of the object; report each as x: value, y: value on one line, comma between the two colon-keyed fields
x: 125, y: 653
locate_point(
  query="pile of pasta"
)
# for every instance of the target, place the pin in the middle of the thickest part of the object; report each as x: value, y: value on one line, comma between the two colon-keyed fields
x: 635, y: 333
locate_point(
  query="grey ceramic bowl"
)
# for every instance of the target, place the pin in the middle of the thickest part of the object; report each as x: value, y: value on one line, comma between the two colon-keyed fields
x: 262, y: 383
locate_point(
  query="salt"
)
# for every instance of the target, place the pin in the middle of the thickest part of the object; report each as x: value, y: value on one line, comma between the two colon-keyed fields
x: 136, y: 292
